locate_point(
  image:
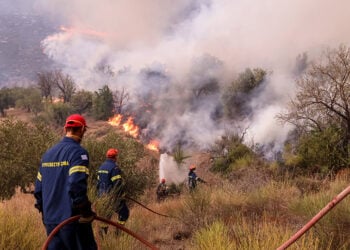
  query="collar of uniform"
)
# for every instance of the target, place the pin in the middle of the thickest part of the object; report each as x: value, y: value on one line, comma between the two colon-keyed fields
x: 69, y: 139
x: 110, y: 160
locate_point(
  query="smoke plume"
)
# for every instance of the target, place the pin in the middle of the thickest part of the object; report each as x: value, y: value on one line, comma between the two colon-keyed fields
x: 162, y: 51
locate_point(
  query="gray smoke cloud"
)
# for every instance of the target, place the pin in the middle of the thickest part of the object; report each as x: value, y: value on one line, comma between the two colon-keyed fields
x: 166, y: 49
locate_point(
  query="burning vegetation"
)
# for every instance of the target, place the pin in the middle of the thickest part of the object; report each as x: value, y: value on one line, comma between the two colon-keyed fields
x: 131, y: 129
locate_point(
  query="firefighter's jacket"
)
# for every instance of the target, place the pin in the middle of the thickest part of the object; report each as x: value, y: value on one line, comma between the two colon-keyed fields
x: 109, y: 175
x: 162, y: 190
x: 192, y: 179
x: 61, y: 182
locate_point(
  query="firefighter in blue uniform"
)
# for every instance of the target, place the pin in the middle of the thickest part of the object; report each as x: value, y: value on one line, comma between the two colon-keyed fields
x: 61, y: 189
x: 193, y: 178
x: 110, y: 183
x: 162, y: 190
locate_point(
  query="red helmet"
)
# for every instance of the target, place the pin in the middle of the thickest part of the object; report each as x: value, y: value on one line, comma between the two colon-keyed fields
x: 162, y: 180
x: 112, y: 153
x: 75, y: 120
x: 192, y: 167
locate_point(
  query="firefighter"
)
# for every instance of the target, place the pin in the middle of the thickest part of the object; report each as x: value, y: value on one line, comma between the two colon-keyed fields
x: 61, y: 189
x: 193, y: 178
x: 110, y: 182
x: 162, y: 190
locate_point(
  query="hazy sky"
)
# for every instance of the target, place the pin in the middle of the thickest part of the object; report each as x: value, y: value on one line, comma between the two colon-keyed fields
x: 176, y: 38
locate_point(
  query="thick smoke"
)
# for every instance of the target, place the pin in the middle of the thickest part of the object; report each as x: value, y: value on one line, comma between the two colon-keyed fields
x: 165, y: 52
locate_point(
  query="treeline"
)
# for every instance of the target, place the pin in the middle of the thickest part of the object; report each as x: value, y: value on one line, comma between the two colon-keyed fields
x: 56, y: 95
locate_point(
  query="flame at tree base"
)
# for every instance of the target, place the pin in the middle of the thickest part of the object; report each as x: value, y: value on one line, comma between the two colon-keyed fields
x: 153, y: 145
x: 132, y: 129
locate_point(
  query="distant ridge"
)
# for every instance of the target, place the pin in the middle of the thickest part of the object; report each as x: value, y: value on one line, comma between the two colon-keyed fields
x: 21, y: 56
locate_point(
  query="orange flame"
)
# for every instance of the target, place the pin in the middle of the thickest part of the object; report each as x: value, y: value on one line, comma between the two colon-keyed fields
x: 153, y: 145
x: 131, y: 128
x: 115, y: 120
x: 128, y: 126
x: 88, y: 32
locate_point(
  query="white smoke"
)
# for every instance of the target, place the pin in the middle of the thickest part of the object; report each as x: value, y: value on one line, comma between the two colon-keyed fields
x: 169, y: 170
x: 187, y: 42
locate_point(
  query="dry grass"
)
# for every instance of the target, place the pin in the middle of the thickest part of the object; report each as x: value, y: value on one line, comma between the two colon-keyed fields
x: 214, y: 217
x: 20, y: 224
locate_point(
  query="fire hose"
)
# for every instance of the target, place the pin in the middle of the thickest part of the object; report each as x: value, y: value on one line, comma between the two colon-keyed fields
x: 139, y: 203
x: 75, y: 218
x: 316, y: 218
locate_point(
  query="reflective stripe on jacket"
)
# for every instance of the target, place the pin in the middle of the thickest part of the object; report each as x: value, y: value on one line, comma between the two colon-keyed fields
x: 109, y: 175
x: 62, y: 180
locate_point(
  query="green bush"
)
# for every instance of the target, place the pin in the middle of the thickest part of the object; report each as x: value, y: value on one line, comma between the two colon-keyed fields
x: 318, y: 152
x: 58, y: 112
x: 230, y: 153
x: 22, y: 146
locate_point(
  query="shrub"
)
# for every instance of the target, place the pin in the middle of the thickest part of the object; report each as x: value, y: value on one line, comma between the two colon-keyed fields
x: 231, y: 153
x: 196, y: 208
x: 214, y: 236
x: 22, y: 146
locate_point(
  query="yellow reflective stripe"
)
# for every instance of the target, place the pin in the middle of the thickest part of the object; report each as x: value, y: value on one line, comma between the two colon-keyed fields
x: 116, y: 177
x: 102, y: 171
x: 75, y: 169
x: 38, y: 176
x: 121, y: 222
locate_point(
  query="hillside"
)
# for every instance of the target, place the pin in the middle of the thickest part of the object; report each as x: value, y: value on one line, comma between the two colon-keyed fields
x: 252, y: 207
x: 21, y: 56
x: 97, y: 129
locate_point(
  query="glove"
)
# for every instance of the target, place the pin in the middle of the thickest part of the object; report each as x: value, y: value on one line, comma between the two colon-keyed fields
x: 119, y: 205
x: 87, y: 219
x: 86, y: 214
x: 39, y: 207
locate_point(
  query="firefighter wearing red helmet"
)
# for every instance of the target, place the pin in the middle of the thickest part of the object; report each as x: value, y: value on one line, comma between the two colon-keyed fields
x: 193, y: 178
x: 110, y: 182
x: 162, y: 190
x: 61, y: 189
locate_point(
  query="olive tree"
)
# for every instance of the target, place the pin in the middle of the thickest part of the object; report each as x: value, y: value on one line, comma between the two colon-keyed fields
x: 21, y: 148
x: 81, y: 101
x: 6, y: 100
x: 29, y: 99
x: 322, y: 100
